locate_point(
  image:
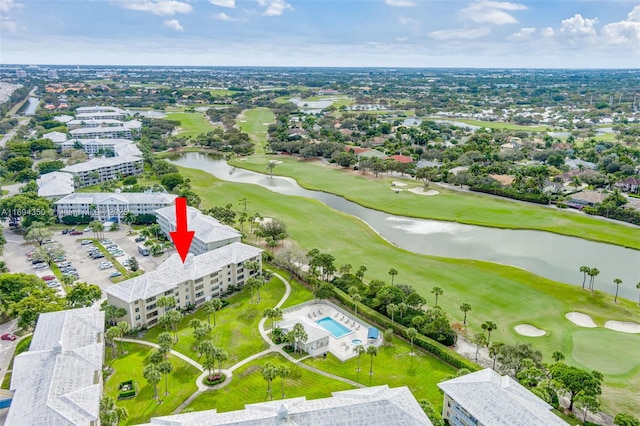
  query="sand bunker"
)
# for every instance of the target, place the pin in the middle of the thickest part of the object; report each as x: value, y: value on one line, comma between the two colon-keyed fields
x: 396, y: 190
x: 625, y: 327
x: 396, y: 183
x: 529, y: 330
x: 581, y: 320
x: 421, y: 191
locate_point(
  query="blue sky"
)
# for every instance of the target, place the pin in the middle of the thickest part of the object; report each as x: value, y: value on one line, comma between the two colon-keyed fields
x: 392, y: 33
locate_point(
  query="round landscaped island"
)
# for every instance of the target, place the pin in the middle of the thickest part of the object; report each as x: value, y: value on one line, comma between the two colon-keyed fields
x: 214, y: 379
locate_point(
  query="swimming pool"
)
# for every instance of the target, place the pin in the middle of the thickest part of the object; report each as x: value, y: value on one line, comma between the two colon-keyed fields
x: 333, y: 326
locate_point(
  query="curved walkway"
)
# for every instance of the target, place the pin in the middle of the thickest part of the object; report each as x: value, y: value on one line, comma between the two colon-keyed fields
x: 172, y: 352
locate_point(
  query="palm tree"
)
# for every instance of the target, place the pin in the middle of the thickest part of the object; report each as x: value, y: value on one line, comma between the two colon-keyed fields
x: 220, y: 355
x: 300, y: 335
x: 360, y: 350
x: 356, y: 299
x: 360, y: 274
x: 489, y: 326
x: 479, y: 340
x: 438, y: 292
x: 166, y: 368
x: 124, y: 328
x: 465, y: 307
x: 165, y: 341
x: 392, y: 309
x: 153, y: 375
x: 174, y: 318
x: 494, y: 351
x: 371, y: 351
x: 270, y: 314
x: 98, y: 228
x: 585, y: 270
x: 617, y: 282
x: 593, y: 273
x: 211, y: 307
x: 129, y: 218
x: 271, y: 165
x: 111, y: 335
x: 393, y: 273
x: 252, y: 283
x: 269, y: 372
x: 557, y: 356
x: 411, y: 334
x: 283, y: 372
x: 277, y: 313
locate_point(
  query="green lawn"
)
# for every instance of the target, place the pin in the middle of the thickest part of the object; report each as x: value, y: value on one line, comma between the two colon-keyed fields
x: 237, y: 325
x: 469, y: 208
x: 182, y: 383
x: 299, y: 293
x: 503, y: 294
x: 392, y: 366
x: 599, y: 356
x: 191, y: 123
x: 248, y: 386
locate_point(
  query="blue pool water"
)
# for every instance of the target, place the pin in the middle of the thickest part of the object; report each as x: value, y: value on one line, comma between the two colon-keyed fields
x: 333, y: 326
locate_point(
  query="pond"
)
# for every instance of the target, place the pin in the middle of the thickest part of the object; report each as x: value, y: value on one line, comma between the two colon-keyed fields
x: 32, y: 105
x: 550, y: 255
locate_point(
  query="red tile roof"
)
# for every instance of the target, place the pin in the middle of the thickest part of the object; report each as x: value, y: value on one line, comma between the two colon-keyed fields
x: 401, y: 158
x: 356, y: 149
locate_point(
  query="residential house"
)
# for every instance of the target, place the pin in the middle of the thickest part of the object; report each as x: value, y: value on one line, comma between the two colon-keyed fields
x: 485, y: 398
x: 58, y: 381
x: 210, y: 234
x: 577, y: 163
x: 630, y: 184
x: 112, y: 206
x: 400, y: 158
x: 582, y: 199
x: 505, y: 180
x: 372, y: 406
x: 200, y: 278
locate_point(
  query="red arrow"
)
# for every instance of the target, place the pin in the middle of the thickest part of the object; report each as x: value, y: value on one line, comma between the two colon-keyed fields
x: 181, y: 237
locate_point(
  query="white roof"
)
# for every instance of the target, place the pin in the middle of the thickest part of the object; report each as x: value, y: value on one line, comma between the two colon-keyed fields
x: 313, y: 330
x: 55, y: 183
x: 80, y: 122
x: 374, y: 406
x: 56, y: 137
x: 58, y: 381
x: 99, y: 198
x: 207, y: 228
x: 173, y: 272
x: 90, y: 115
x: 133, y: 124
x: 97, y: 163
x: 90, y: 109
x: 63, y: 118
x: 499, y: 400
x: 88, y: 130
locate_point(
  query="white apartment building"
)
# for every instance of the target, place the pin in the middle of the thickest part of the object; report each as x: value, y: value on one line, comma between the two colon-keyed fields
x: 104, y: 115
x: 96, y: 122
x: 103, y: 169
x: 111, y: 132
x: 55, y: 185
x: 485, y: 398
x: 105, y: 206
x: 120, y: 147
x: 58, y: 381
x: 193, y: 282
x: 209, y: 233
x: 95, y: 109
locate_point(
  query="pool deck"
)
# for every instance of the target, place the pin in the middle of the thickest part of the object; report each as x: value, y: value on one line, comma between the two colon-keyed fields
x: 340, y: 347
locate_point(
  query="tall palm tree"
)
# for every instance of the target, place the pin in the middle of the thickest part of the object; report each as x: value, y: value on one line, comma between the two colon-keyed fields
x: 129, y: 218
x: 585, y: 270
x: 269, y: 372
x: 211, y: 307
x: 393, y: 272
x: 411, y: 334
x: 438, y: 291
x: 392, y: 309
x: 153, y: 375
x: 371, y: 351
x: 489, y: 326
x: 166, y: 368
x: 124, y: 328
x: 283, y: 372
x: 360, y: 350
x: 356, y: 299
x: 465, y: 307
x: 98, y: 228
x: 617, y: 282
x: 593, y: 273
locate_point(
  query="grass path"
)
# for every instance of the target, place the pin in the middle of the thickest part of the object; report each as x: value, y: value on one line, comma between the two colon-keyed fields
x: 449, y: 205
x: 503, y: 294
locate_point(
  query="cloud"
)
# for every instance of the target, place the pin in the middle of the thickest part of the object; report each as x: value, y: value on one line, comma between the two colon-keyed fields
x: 274, y: 7
x: 400, y: 3
x: 6, y: 24
x: 7, y: 5
x: 401, y: 39
x: 523, y: 35
x: 223, y: 3
x: 460, y: 34
x: 578, y: 29
x: 224, y: 17
x: 491, y: 12
x: 624, y: 32
x: 174, y: 24
x: 157, y: 7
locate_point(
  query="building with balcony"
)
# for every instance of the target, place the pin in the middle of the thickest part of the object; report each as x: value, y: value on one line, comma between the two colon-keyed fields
x: 112, y: 206
x: 99, y: 147
x: 58, y: 381
x: 100, y: 170
x: 191, y: 283
x: 485, y: 398
x: 209, y: 233
x: 109, y: 132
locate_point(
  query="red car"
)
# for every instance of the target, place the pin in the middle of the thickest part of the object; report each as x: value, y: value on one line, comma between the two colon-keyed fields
x: 48, y: 277
x: 8, y: 336
x: 76, y: 233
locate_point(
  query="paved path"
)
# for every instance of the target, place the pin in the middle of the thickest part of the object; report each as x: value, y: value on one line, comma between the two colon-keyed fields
x: 172, y: 352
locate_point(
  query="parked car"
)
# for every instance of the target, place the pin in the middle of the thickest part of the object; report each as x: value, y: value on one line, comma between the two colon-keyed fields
x: 40, y: 266
x: 47, y: 242
x: 76, y: 233
x: 140, y: 239
x: 72, y: 274
x: 115, y: 274
x: 65, y: 231
x: 98, y: 256
x: 107, y: 241
x: 48, y: 277
x: 63, y: 264
x: 53, y: 284
x: 88, y: 229
x: 8, y: 336
x: 37, y: 261
x: 85, y: 242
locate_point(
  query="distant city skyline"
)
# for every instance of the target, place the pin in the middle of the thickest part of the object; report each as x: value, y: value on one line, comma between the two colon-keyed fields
x: 337, y: 33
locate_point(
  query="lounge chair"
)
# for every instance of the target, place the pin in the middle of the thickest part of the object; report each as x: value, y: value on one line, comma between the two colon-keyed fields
x: 336, y: 315
x: 309, y: 315
x: 314, y: 314
x: 358, y: 327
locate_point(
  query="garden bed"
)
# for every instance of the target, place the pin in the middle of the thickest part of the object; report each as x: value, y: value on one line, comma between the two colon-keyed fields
x: 214, y: 379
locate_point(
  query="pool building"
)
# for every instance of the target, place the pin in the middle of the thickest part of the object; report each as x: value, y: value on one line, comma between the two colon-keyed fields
x: 329, y: 329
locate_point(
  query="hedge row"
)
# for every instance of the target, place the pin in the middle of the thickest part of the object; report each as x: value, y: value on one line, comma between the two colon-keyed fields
x: 127, y: 394
x: 511, y: 193
x: 437, y: 349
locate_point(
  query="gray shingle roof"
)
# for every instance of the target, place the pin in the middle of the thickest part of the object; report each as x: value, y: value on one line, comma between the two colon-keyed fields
x: 58, y: 381
x: 374, y: 406
x: 207, y: 228
x: 499, y: 400
x: 173, y: 272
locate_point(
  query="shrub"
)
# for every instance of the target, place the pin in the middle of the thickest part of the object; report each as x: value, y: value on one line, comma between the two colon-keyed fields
x: 511, y: 193
x: 76, y: 220
x: 214, y: 379
x: 130, y: 392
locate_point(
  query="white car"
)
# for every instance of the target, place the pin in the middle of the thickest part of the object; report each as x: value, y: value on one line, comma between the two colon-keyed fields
x: 40, y: 266
x: 106, y: 265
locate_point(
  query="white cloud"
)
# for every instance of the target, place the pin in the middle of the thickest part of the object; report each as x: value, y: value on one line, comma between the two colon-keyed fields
x: 400, y: 3
x: 460, y: 34
x: 224, y: 17
x: 578, y: 29
x: 7, y: 5
x: 547, y: 32
x: 157, y: 7
x: 6, y: 24
x: 624, y: 32
x: 491, y: 12
x: 523, y: 35
x: 274, y: 7
x: 174, y: 24
x: 223, y: 3
x: 404, y: 20
x: 401, y: 39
